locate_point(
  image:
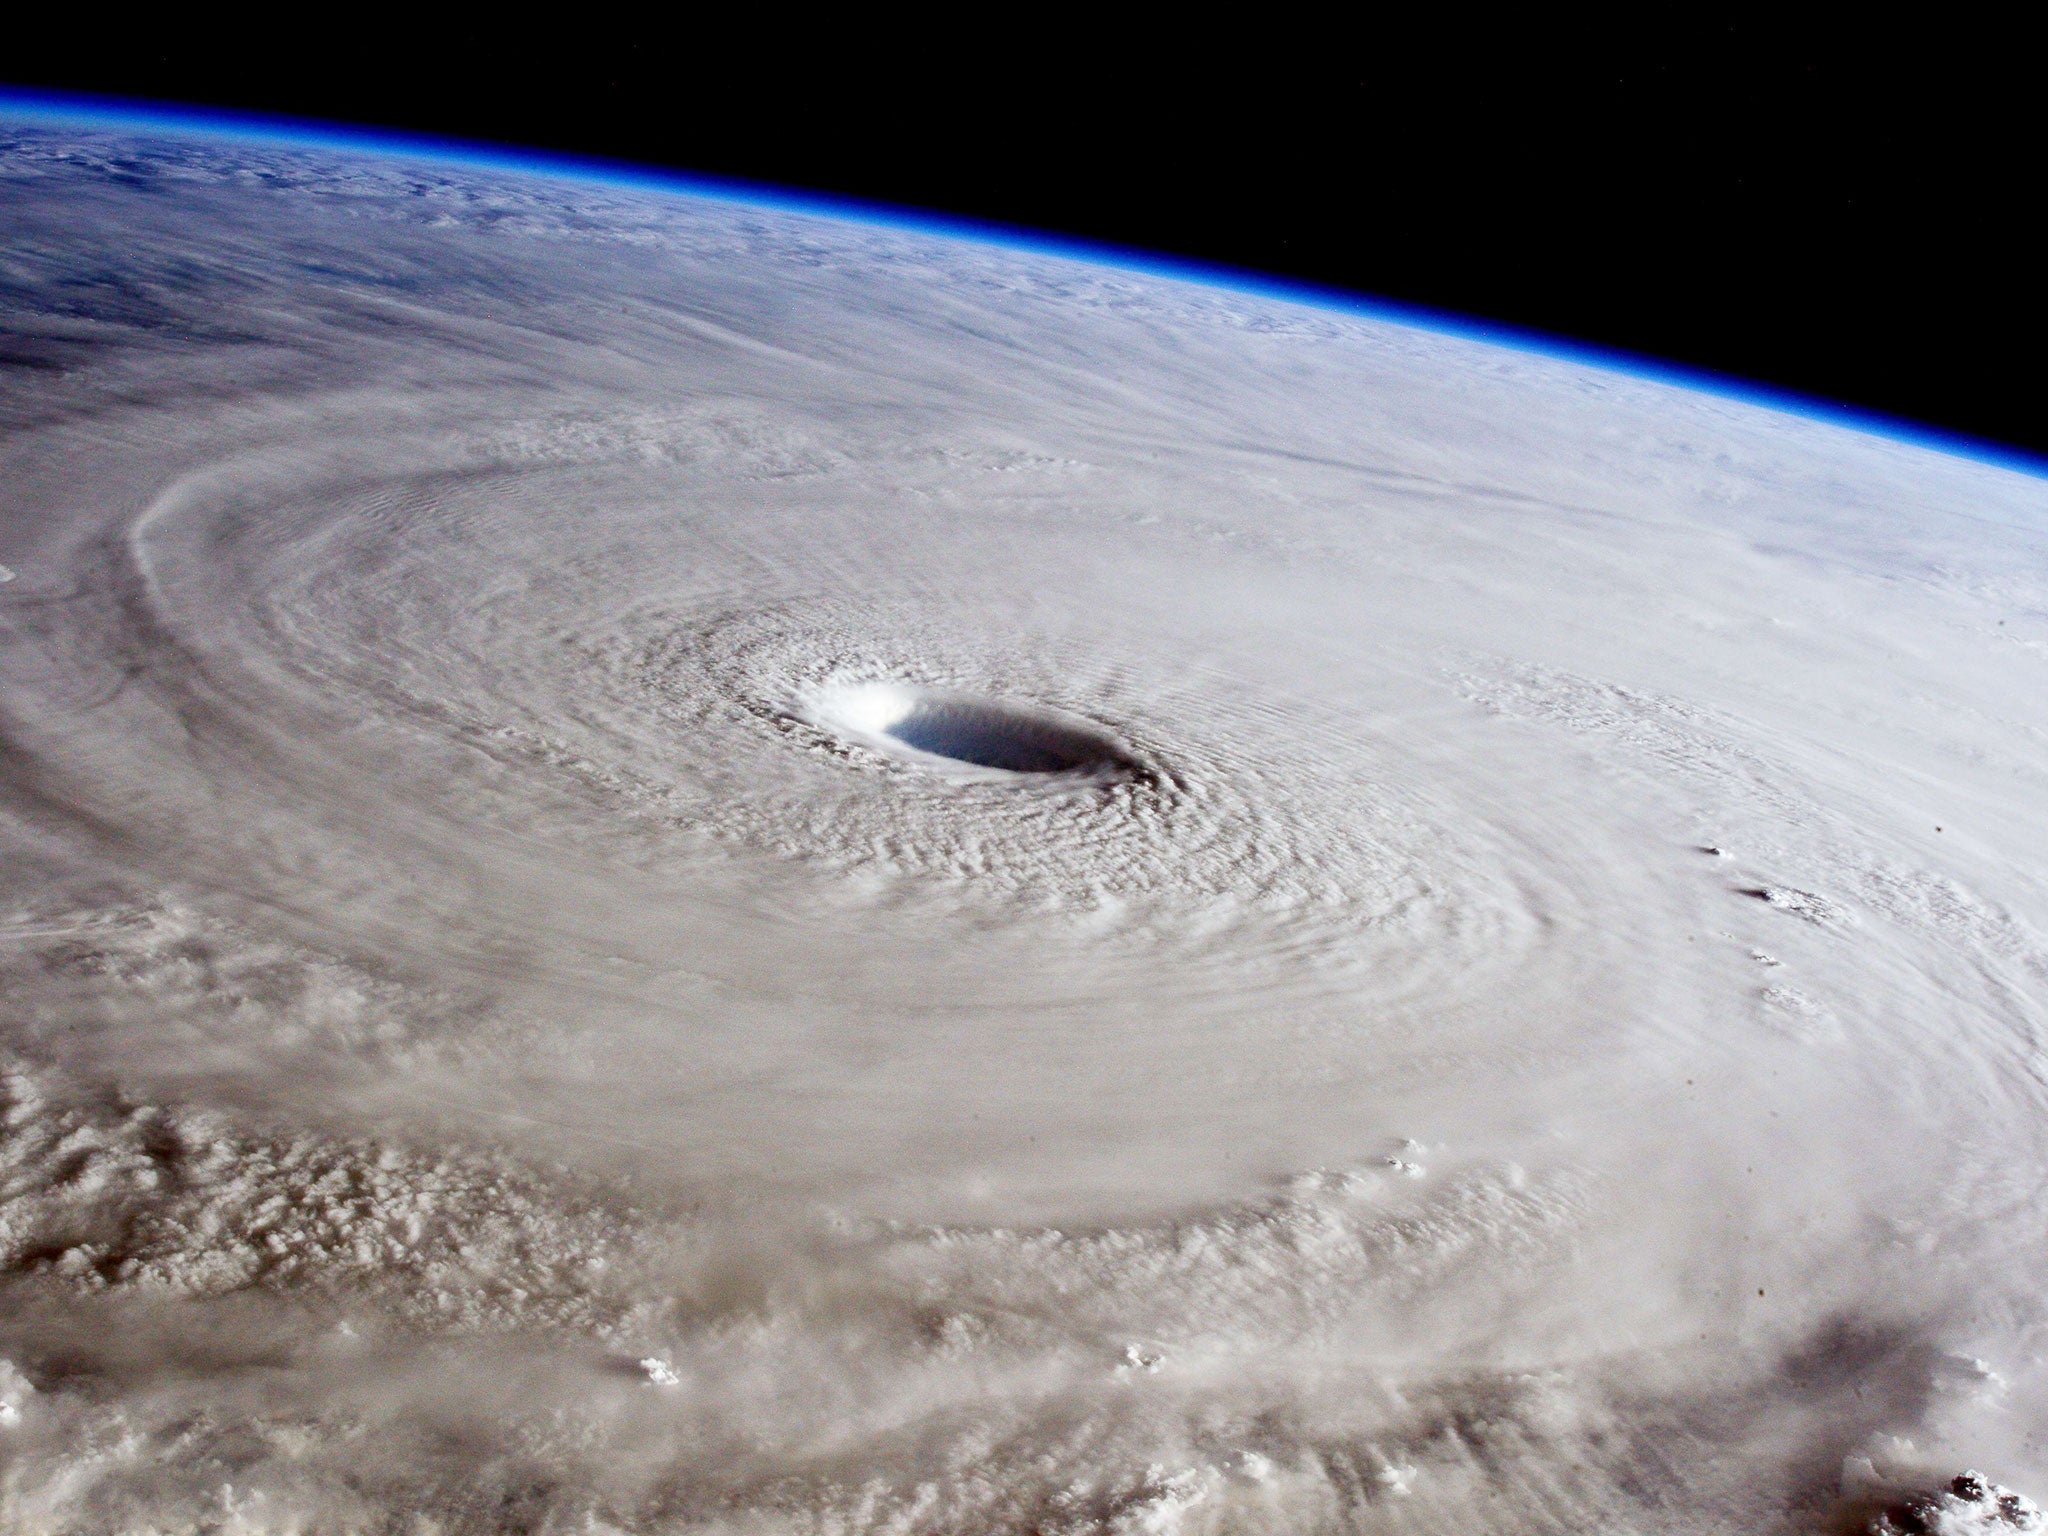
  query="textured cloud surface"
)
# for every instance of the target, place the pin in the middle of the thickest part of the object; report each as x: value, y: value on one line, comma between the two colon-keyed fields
x: 677, y: 866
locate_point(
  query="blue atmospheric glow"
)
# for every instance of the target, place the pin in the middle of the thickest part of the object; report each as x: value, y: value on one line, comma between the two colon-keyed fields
x: 68, y: 110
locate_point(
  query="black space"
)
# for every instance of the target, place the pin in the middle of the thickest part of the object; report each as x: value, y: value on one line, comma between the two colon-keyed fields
x: 1846, y: 212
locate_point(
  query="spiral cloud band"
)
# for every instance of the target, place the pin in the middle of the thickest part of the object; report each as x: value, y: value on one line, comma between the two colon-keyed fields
x: 675, y: 864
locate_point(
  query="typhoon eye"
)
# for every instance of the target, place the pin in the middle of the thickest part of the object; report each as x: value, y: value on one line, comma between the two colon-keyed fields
x: 964, y: 737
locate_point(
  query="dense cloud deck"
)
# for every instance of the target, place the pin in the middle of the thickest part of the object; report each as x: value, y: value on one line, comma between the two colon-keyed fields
x: 681, y: 866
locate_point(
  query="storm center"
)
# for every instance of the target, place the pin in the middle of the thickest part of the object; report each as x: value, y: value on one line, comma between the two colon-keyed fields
x: 956, y: 730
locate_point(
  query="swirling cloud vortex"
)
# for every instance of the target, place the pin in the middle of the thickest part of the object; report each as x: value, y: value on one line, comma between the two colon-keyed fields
x: 687, y: 865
